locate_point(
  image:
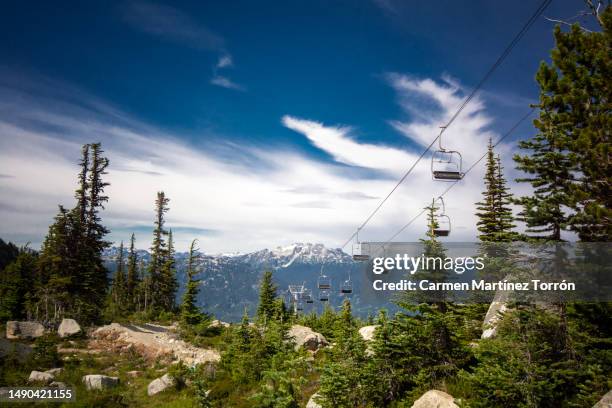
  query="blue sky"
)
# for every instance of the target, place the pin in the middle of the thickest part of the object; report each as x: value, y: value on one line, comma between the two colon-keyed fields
x: 297, y: 98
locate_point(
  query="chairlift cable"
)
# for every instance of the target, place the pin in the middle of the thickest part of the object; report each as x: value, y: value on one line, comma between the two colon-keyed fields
x: 487, y: 75
x: 508, y: 133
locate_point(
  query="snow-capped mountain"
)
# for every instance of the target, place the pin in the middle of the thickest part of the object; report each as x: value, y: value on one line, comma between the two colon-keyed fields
x: 229, y: 282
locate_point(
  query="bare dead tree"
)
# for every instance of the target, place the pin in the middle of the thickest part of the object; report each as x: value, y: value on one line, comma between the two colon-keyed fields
x: 594, y: 9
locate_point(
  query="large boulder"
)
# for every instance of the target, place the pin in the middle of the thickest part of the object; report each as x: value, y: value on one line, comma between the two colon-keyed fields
x: 307, y: 338
x: 24, y: 330
x: 100, y: 382
x: 161, y: 384
x: 435, y: 399
x: 605, y: 401
x: 498, y: 307
x: 68, y: 327
x: 312, y: 403
x: 40, y: 377
x: 367, y: 332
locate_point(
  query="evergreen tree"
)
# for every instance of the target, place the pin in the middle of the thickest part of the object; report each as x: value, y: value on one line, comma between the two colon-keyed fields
x: 488, y: 223
x: 190, y: 314
x: 495, y: 216
x: 575, y: 94
x: 132, y: 278
x: 119, y: 284
x: 503, y: 210
x: 154, y: 296
x: 92, y: 280
x: 168, y: 284
x: 266, y: 310
x: 16, y: 281
x: 8, y: 253
x: 568, y: 160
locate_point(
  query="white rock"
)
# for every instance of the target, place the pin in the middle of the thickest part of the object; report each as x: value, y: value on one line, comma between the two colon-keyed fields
x: 39, y: 376
x: 312, y: 403
x: 495, y: 313
x: 100, y: 382
x: 605, y: 401
x: 307, y: 338
x: 24, y: 330
x: 218, y: 323
x: 160, y: 384
x: 54, y: 371
x: 435, y: 399
x: 367, y: 332
x: 68, y: 327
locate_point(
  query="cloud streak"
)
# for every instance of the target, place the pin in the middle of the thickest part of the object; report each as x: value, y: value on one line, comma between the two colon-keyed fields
x: 171, y: 24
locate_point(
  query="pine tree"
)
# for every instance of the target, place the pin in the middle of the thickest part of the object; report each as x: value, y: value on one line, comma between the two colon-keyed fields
x: 154, y: 295
x: 575, y: 96
x: 190, y: 314
x: 92, y: 280
x: 495, y: 215
x: 503, y: 210
x: 168, y: 284
x: 119, y: 283
x: 266, y: 309
x: 132, y: 279
x: 569, y: 159
x: 16, y: 281
x: 488, y: 223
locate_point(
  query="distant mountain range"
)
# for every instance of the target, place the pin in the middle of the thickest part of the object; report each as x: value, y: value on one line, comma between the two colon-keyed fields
x: 230, y: 282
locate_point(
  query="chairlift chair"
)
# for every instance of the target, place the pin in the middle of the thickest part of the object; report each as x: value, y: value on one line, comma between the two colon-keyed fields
x: 307, y: 296
x: 361, y: 251
x: 443, y: 222
x: 324, y: 281
x: 443, y: 229
x: 324, y: 296
x: 347, y: 287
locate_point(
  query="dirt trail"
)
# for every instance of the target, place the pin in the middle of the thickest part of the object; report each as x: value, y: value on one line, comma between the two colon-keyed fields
x: 152, y: 341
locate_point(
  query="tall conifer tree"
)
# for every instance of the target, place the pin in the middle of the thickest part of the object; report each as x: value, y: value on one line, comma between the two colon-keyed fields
x: 190, y: 314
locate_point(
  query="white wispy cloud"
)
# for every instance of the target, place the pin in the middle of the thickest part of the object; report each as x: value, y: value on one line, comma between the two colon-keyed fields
x: 225, y: 61
x: 172, y: 24
x: 225, y: 82
x: 336, y: 141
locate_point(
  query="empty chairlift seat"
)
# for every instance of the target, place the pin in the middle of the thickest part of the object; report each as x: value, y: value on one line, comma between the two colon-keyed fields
x: 361, y: 251
x: 446, y: 165
x: 324, y: 282
x: 347, y: 287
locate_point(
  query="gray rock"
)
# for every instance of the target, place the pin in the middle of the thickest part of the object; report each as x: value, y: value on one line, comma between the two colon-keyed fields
x: 68, y: 327
x: 57, y: 384
x: 40, y: 377
x: 435, y: 399
x: 100, y: 382
x: 160, y: 384
x: 24, y: 330
x: 605, y: 401
x: 312, y: 403
x: 307, y: 338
